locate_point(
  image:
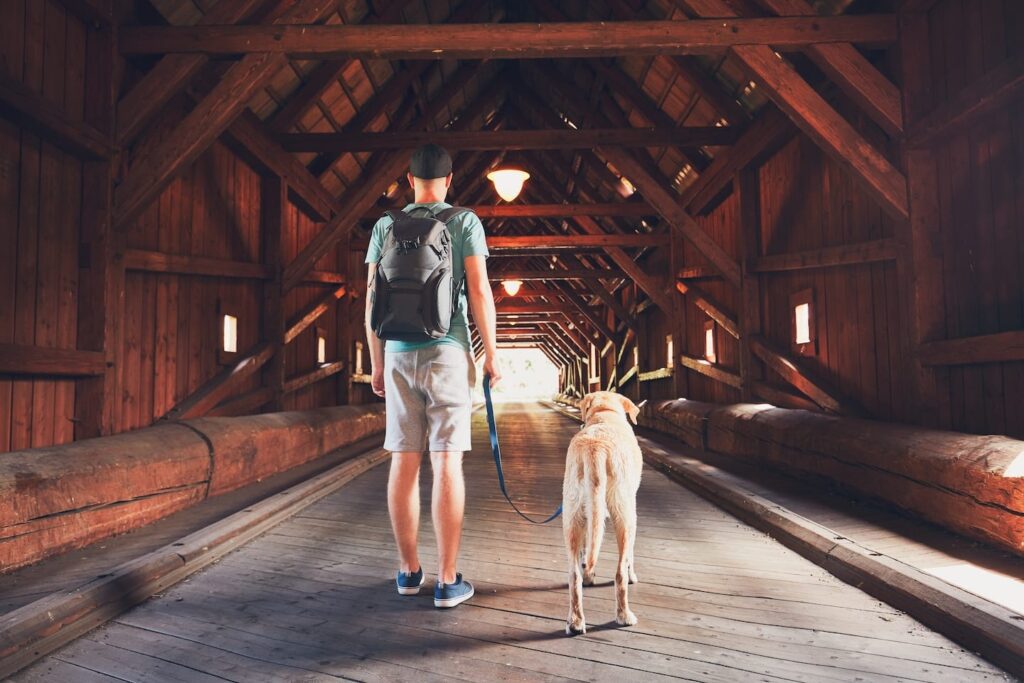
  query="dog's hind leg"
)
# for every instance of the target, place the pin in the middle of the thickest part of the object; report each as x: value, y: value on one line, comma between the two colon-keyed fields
x: 597, y: 479
x: 623, y: 515
x: 574, y: 529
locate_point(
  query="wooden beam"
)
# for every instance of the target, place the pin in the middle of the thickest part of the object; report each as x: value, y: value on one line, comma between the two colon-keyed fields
x: 833, y: 133
x: 711, y: 370
x: 25, y: 108
x: 828, y: 257
x: 179, y: 264
x: 992, y: 92
x: 576, y: 300
x: 274, y: 224
x: 247, y: 404
x: 662, y: 199
x: 293, y: 384
x: 782, y: 398
x: 260, y: 150
x: 508, y: 40
x: 309, y: 315
x: 611, y: 210
x: 518, y: 309
x: 769, y: 130
x: 814, y: 388
x: 706, y: 303
x: 559, y: 274
x: 697, y: 273
x: 848, y: 68
x: 220, y: 387
x: 336, y: 143
x: 206, y: 122
x: 748, y: 187
x: 576, y: 241
x: 38, y: 360
x: 170, y: 75
x: 986, y: 348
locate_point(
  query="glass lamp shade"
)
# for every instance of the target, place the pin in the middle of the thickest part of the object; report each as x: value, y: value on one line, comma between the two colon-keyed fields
x: 508, y: 182
x: 511, y: 286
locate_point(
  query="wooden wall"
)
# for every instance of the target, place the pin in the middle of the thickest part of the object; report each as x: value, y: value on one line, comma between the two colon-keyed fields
x: 979, y: 218
x: 45, y: 49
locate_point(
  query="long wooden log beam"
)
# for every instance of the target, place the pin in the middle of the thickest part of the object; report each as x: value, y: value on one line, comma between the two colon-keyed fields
x: 828, y: 257
x: 335, y: 143
x: 709, y: 305
x: 23, y: 107
x: 205, y: 123
x: 36, y: 360
x: 986, y: 348
x: 509, y: 41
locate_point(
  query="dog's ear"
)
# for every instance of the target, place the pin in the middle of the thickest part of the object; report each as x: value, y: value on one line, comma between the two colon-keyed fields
x: 585, y: 406
x: 631, y: 409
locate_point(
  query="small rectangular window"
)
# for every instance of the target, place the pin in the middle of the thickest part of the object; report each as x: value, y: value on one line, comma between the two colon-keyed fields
x: 321, y: 346
x: 802, y: 325
x: 359, y: 358
x: 709, y: 342
x: 636, y: 356
x: 669, y: 352
x: 229, y: 341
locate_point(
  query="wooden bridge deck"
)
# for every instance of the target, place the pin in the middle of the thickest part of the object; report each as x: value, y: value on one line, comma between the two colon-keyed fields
x: 313, y: 599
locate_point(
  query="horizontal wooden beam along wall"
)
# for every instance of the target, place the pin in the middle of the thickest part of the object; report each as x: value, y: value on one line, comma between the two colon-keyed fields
x: 180, y: 264
x: 987, y: 348
x: 22, y: 106
x: 509, y: 139
x: 570, y: 241
x: 843, y: 255
x: 559, y: 274
x: 510, y: 41
x: 37, y: 360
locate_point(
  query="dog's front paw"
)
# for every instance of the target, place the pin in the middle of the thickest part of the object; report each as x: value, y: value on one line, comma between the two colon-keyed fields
x: 626, y: 618
x: 575, y: 627
x: 588, y: 578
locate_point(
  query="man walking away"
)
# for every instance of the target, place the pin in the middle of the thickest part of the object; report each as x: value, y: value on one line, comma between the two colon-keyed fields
x: 427, y: 384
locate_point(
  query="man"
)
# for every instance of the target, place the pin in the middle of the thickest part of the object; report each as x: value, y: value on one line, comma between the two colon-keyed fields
x: 428, y: 388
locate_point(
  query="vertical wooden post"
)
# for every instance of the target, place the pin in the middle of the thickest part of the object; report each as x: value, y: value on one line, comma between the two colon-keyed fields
x: 748, y: 186
x: 274, y: 217
x: 919, y: 258
x: 101, y: 251
x: 680, y: 379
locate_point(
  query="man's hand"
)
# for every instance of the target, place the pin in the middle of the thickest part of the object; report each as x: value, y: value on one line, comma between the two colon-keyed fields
x: 492, y: 368
x: 377, y: 381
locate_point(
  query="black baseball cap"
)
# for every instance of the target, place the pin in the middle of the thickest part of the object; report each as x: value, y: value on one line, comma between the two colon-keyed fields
x: 430, y: 161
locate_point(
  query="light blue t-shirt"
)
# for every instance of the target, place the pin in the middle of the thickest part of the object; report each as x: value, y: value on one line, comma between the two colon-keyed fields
x: 467, y: 240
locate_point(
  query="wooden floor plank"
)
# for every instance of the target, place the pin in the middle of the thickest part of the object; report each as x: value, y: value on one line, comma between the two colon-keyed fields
x: 718, y: 601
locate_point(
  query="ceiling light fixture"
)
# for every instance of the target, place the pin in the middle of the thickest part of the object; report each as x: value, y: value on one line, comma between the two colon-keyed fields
x: 508, y: 182
x: 511, y: 286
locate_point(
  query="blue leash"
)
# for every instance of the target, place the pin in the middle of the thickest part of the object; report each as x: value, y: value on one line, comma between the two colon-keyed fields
x: 496, y: 450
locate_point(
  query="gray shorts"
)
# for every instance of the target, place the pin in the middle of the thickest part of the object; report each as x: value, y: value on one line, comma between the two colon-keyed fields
x: 429, y: 398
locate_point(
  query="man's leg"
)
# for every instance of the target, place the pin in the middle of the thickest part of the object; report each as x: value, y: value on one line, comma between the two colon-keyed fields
x: 448, y: 501
x: 404, y: 507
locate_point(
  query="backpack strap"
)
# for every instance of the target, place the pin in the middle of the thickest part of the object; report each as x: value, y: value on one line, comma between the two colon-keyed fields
x: 395, y: 214
x: 451, y: 212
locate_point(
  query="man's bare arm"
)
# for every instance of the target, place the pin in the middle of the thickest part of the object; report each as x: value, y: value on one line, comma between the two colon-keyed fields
x: 481, y: 301
x: 373, y: 342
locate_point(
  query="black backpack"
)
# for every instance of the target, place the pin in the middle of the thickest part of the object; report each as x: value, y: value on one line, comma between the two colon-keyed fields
x: 414, y: 295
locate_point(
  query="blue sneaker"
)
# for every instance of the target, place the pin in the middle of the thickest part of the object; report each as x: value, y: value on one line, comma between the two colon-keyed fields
x: 409, y: 583
x: 452, y: 594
